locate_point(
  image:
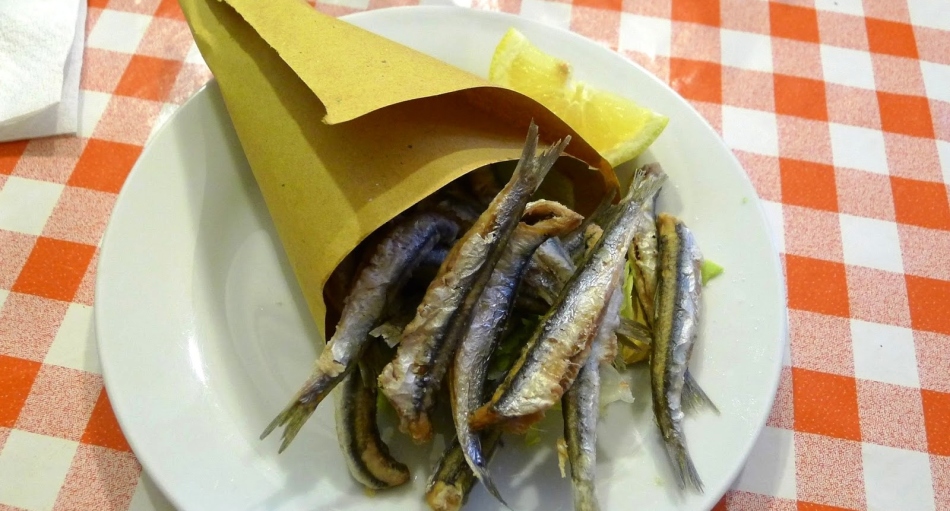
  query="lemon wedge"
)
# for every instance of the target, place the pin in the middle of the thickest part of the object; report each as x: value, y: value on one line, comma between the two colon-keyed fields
x: 617, y: 127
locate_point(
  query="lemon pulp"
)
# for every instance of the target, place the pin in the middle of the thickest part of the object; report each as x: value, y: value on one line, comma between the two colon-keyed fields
x: 617, y: 127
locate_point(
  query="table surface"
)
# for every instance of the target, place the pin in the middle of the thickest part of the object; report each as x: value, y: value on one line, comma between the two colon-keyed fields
x: 839, y: 112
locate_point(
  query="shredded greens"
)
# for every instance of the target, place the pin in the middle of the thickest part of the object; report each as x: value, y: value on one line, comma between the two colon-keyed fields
x: 630, y: 354
x: 628, y: 309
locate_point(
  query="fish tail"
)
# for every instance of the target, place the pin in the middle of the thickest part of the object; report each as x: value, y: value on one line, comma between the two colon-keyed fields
x: 645, y: 185
x: 295, y: 415
x: 481, y: 472
x: 551, y: 154
x: 530, y: 143
x: 686, y: 474
x: 694, y: 397
x: 534, y: 166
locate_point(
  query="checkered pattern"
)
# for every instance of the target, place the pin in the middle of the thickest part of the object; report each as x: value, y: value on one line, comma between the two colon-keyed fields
x: 839, y: 110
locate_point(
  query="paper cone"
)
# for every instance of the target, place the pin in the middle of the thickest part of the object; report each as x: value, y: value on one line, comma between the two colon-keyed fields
x: 344, y: 129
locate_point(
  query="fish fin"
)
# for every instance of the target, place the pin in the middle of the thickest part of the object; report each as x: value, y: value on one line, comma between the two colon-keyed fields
x: 478, y: 463
x: 686, y: 474
x: 645, y: 185
x: 548, y: 157
x: 530, y: 143
x: 295, y: 415
x: 694, y: 397
x: 533, y: 167
x: 481, y: 472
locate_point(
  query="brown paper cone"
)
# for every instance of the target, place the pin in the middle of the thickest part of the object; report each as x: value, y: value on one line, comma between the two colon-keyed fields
x: 344, y: 129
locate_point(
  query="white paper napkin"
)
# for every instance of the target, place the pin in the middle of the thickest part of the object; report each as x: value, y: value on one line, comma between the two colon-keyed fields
x: 41, y: 44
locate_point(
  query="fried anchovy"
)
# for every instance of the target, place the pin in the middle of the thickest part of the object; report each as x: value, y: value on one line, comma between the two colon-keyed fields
x: 541, y: 221
x: 380, y: 279
x: 411, y: 380
x: 675, y: 327
x: 561, y: 343
x: 581, y: 407
x: 367, y: 456
x: 643, y: 250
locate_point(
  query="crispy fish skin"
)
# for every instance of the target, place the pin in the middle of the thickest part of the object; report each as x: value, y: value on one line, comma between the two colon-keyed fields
x: 581, y: 407
x: 676, y: 324
x: 378, y: 282
x: 541, y: 221
x: 453, y: 479
x: 643, y: 250
x: 367, y: 456
x: 560, y: 345
x: 411, y: 380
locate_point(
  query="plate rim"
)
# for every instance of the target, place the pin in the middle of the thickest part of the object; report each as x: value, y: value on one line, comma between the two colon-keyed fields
x: 774, y: 254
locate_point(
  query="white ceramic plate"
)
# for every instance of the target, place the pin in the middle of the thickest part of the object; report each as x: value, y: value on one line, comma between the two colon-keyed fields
x: 203, y: 334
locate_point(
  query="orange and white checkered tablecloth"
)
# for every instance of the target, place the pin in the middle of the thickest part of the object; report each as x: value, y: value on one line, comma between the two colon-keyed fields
x: 839, y: 110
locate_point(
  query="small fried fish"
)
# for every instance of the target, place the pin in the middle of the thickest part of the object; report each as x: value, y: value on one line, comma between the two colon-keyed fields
x: 367, y: 456
x: 581, y: 408
x: 541, y: 221
x: 379, y: 281
x: 675, y: 327
x: 556, y: 260
x: 643, y: 250
x: 560, y: 345
x: 412, y: 379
